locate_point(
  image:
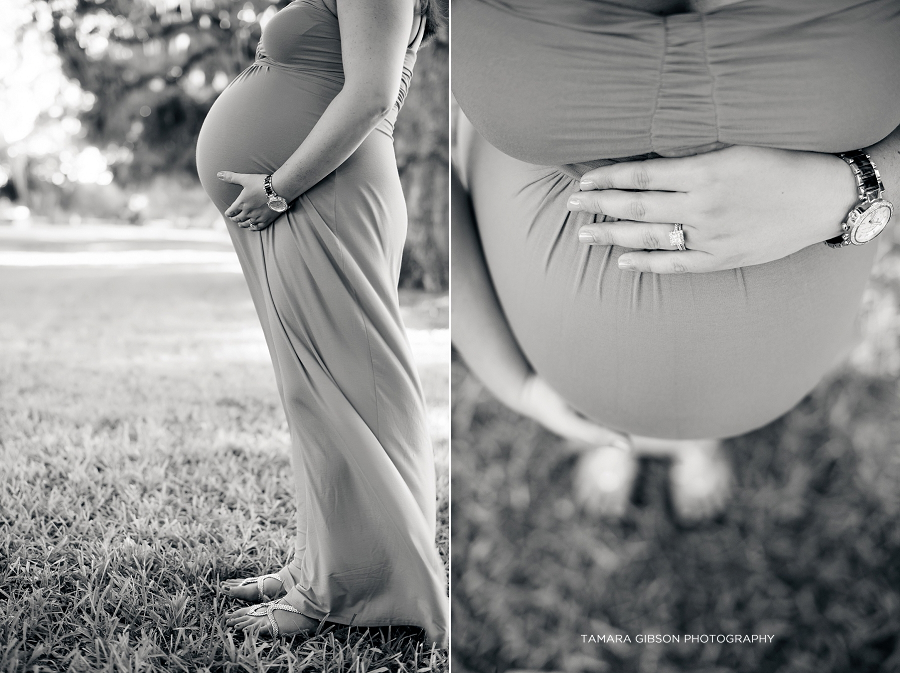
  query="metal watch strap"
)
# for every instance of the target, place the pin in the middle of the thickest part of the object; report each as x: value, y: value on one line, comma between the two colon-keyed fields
x: 868, y: 179
x: 868, y: 184
x: 267, y: 184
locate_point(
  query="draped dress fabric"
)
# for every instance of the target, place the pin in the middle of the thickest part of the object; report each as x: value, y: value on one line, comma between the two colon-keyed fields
x: 551, y: 90
x: 323, y: 278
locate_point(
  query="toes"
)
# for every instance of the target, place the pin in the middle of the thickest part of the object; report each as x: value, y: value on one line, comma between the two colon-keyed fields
x: 237, y: 614
x: 241, y: 623
x: 245, y: 623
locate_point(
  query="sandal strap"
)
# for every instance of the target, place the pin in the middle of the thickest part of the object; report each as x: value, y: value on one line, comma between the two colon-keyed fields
x: 284, y: 607
x: 268, y: 610
x: 273, y: 625
x: 260, y: 582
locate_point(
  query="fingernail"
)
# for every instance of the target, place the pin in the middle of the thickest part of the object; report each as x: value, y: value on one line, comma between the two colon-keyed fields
x: 584, y: 236
x: 220, y: 174
x: 587, y: 184
x: 574, y: 203
x: 626, y: 263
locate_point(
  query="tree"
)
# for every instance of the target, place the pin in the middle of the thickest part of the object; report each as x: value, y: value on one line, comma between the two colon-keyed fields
x: 156, y: 66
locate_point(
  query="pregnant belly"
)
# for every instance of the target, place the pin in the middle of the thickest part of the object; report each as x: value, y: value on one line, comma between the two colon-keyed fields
x: 256, y: 124
x: 674, y: 356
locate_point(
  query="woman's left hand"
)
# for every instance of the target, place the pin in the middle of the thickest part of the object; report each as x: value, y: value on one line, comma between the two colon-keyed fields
x: 739, y: 206
x: 250, y: 210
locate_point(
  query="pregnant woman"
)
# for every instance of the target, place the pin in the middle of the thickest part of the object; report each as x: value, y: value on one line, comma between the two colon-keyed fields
x: 298, y: 154
x: 565, y: 300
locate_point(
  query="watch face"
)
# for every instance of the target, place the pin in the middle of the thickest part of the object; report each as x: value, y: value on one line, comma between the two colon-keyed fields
x: 871, y: 222
x: 278, y: 204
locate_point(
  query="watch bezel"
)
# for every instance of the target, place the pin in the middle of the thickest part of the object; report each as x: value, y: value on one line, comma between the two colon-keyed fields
x: 860, y: 212
x: 277, y: 203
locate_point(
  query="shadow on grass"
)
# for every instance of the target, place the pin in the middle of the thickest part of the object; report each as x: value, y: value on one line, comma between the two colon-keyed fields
x: 808, y: 551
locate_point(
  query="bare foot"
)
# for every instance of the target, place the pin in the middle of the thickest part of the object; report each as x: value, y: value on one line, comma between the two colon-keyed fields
x: 603, y: 480
x: 700, y: 479
x: 249, y: 590
x: 277, y: 618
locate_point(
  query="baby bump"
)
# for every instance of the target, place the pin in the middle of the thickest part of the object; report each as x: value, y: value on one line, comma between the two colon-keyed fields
x: 256, y: 124
x: 676, y: 356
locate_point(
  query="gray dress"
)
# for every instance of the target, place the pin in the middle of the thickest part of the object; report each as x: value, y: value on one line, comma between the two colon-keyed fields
x: 554, y: 88
x: 324, y: 281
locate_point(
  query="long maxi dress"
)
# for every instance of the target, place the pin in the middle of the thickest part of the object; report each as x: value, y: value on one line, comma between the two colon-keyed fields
x: 323, y: 278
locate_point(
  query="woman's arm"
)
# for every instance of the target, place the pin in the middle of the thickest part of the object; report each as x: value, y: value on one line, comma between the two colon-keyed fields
x: 374, y: 38
x: 739, y: 206
x: 480, y: 331
x: 483, y: 338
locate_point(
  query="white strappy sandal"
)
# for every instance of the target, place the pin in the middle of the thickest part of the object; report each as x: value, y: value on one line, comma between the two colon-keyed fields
x: 268, y: 610
x: 260, y: 582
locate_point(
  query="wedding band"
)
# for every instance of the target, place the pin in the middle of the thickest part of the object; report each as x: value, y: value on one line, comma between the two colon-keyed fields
x: 676, y: 238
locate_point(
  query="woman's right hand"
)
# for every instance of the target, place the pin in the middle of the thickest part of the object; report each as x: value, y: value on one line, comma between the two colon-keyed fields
x: 539, y: 401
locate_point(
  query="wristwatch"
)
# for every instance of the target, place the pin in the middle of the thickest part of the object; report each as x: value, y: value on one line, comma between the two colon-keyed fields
x: 277, y: 203
x: 873, y: 213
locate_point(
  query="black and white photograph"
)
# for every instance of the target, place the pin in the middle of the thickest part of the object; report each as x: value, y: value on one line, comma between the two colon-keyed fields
x: 450, y: 336
x: 675, y: 285
x: 224, y: 335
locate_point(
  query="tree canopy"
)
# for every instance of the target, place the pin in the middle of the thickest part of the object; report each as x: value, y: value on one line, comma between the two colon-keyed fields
x: 156, y: 66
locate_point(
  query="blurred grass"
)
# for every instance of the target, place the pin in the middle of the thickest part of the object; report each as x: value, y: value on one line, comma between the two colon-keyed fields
x: 144, y: 459
x: 807, y: 551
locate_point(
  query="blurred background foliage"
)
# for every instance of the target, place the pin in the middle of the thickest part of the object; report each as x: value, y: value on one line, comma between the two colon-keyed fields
x: 101, y: 102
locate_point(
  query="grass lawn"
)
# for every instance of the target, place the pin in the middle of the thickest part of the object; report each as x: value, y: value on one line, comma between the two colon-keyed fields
x: 144, y: 459
x: 808, y: 551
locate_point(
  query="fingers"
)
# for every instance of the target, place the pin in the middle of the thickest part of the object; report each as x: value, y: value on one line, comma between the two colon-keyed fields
x: 254, y: 225
x: 638, y: 206
x: 637, y: 235
x: 259, y: 225
x: 643, y: 236
x: 234, y: 210
x: 233, y: 178
x: 689, y: 261
x: 244, y: 219
x: 652, y: 174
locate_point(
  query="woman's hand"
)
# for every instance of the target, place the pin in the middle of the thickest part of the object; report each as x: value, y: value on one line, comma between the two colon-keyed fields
x: 542, y: 403
x: 739, y: 206
x: 250, y: 210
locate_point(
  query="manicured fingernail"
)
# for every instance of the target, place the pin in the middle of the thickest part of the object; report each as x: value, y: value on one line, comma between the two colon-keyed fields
x: 584, y: 236
x: 574, y: 203
x: 626, y: 263
x: 587, y: 184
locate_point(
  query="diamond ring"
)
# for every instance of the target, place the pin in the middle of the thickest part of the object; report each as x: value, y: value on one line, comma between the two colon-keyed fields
x: 676, y: 238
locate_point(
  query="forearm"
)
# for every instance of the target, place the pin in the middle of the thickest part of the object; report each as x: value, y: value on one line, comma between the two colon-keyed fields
x: 346, y: 123
x: 480, y: 332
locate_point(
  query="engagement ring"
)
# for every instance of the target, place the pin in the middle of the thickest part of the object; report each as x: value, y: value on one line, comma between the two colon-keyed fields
x: 676, y: 238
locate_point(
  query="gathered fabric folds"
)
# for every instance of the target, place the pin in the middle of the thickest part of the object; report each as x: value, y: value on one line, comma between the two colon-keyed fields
x: 574, y: 81
x: 550, y: 90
